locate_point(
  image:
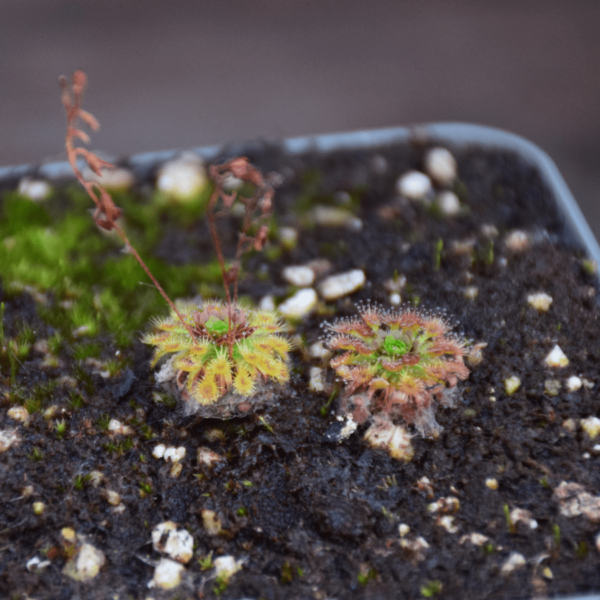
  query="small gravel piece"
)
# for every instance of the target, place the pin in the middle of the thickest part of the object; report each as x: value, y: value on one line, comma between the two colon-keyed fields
x: 471, y: 292
x: 38, y: 508
x: 556, y: 358
x: 511, y: 385
x: 597, y: 541
x: 211, y: 522
x: 517, y: 241
x: 182, y: 178
x: 540, y: 301
x: 18, y: 413
x: 112, y: 179
x: 591, y: 426
x: 116, y: 427
x: 440, y: 165
x: 520, y: 515
x: 416, y: 547
x: 448, y: 203
x: 300, y: 276
x: 414, y: 185
x: 227, y: 566
x: 331, y: 216
x: 175, y: 454
x: 267, y: 302
x: 514, y: 562
x: 491, y: 483
x: 447, y: 522
x: 173, y: 541
x: 394, y: 439
x: 34, y: 189
x: 403, y: 530
x: 316, y: 382
x: 8, y: 438
x: 574, y: 501
x: 112, y: 497
x: 318, y: 350
x: 86, y: 564
x: 288, y: 236
x: 573, y: 384
x: 477, y: 539
x: 208, y: 457
x: 159, y: 451
x: 300, y: 305
x: 167, y: 574
x: 570, y: 425
x: 343, y: 284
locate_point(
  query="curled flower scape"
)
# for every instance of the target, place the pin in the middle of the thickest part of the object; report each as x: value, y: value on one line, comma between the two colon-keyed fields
x: 396, y: 364
x: 227, y: 357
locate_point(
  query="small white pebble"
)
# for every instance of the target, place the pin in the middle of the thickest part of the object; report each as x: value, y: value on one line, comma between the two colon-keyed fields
x: 175, y: 454
x: 331, y: 216
x: 519, y: 515
x: 574, y: 501
x: 176, y: 543
x: 267, y: 302
x: 207, y: 457
x: 36, y: 564
x: 18, y: 413
x: 491, y: 483
x: 416, y: 547
x: 167, y: 574
x: 8, y: 438
x: 547, y: 573
x: 596, y: 449
x: 182, y: 178
x: 403, y: 529
x: 511, y: 385
x: 489, y: 231
x: 414, y: 185
x: 318, y: 350
x: 597, y: 541
x: 394, y: 439
x: 586, y: 456
x: 34, y: 189
x: 288, y: 236
x: 447, y: 522
x: 569, y: 425
x: 477, y: 539
x: 316, y: 381
x: 513, y: 562
x: 540, y: 301
x: 38, y: 508
x: 448, y: 203
x: 573, y: 384
x: 588, y: 384
x: 395, y: 299
x: 591, y: 426
x: 471, y: 292
x: 349, y: 428
x: 517, y: 241
x: 112, y: 179
x: 112, y: 497
x: 440, y: 165
x: 115, y: 426
x: 159, y: 451
x: 556, y: 358
x: 211, y: 522
x: 343, y: 284
x: 300, y: 305
x: 300, y: 276
x: 226, y: 566
x: 86, y: 564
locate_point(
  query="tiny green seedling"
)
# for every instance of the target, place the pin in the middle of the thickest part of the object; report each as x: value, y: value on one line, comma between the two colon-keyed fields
x: 431, y: 588
x: 60, y: 427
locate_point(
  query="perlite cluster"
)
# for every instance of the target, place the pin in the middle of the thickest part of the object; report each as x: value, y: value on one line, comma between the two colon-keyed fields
x: 232, y: 355
x: 396, y: 365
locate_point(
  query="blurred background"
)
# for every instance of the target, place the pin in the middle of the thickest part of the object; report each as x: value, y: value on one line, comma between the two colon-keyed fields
x: 183, y: 73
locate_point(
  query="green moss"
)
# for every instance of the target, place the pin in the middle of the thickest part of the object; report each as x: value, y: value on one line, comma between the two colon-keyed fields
x: 56, y: 247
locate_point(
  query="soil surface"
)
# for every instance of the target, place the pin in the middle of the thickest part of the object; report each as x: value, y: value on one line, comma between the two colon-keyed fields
x: 308, y: 517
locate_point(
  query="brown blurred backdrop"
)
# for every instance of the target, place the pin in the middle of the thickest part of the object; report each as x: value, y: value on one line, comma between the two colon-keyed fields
x: 182, y: 73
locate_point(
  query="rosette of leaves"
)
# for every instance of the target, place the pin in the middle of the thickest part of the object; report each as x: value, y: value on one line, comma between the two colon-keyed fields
x: 396, y: 363
x: 233, y: 354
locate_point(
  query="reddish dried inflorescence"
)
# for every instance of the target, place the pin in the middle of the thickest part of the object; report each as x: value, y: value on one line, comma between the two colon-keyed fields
x: 397, y: 363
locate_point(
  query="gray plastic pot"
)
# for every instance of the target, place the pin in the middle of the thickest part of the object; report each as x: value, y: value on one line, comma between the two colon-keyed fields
x: 458, y: 135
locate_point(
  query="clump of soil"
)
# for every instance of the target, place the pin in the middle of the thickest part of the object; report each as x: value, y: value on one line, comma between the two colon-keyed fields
x: 312, y: 518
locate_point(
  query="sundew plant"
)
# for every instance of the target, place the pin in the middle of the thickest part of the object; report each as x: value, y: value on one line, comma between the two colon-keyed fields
x: 217, y: 347
x: 396, y: 364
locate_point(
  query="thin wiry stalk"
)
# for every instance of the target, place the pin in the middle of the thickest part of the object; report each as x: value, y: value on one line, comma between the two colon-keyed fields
x: 106, y: 213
